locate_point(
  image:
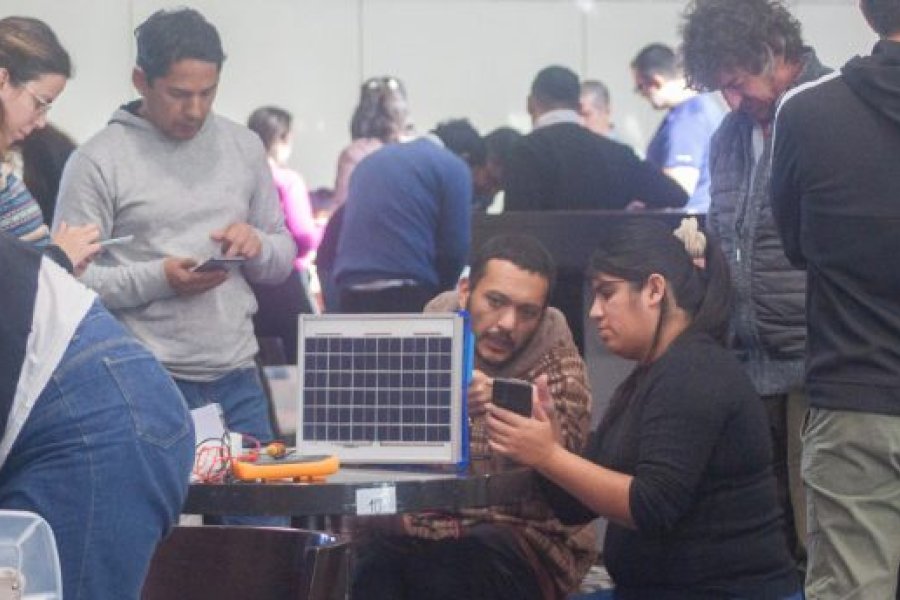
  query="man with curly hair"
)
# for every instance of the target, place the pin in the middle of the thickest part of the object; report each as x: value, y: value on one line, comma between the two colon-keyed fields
x: 752, y: 51
x: 834, y: 193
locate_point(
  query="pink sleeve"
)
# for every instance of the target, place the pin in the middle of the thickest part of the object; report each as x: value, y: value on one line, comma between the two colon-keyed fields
x: 298, y: 215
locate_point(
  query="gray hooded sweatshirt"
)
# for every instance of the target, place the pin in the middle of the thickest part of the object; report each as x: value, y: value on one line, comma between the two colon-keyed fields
x: 131, y: 179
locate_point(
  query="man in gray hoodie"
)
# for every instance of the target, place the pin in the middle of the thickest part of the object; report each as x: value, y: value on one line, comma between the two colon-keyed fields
x: 187, y: 184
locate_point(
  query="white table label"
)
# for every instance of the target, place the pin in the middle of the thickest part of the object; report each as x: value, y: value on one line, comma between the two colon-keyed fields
x: 376, y: 501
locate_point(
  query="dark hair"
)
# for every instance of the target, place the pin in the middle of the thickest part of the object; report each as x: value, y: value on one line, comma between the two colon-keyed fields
x: 463, y: 140
x: 642, y: 246
x: 382, y: 110
x: 724, y: 35
x: 271, y: 124
x: 169, y: 36
x: 883, y: 15
x: 557, y: 87
x: 524, y: 251
x: 44, y: 154
x: 598, y: 90
x: 29, y: 49
x: 656, y: 60
x: 499, y: 143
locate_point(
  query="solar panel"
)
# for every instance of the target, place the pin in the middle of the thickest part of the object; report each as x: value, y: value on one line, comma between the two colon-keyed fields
x: 384, y: 388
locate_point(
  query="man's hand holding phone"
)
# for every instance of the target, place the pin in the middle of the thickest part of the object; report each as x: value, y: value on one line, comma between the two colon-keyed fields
x: 479, y: 394
x: 186, y: 281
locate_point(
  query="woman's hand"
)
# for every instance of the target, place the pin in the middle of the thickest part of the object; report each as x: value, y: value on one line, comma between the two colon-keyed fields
x: 79, y: 243
x: 531, y: 441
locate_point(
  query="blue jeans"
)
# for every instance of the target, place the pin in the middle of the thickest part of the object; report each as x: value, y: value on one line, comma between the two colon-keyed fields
x: 241, y: 396
x: 104, y: 457
x: 246, y: 410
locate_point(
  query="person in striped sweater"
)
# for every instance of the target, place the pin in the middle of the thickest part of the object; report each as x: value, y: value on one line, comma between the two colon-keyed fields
x: 94, y: 435
x: 30, y: 80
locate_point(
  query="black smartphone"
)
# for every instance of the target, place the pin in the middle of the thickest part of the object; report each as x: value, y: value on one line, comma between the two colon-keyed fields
x: 219, y: 264
x: 512, y: 394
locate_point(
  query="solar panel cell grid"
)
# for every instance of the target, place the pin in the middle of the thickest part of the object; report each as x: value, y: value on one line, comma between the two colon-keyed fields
x: 377, y: 389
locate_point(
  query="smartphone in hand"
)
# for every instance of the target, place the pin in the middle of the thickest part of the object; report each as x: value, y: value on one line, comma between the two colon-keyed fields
x: 513, y: 394
x: 116, y: 241
x: 219, y: 264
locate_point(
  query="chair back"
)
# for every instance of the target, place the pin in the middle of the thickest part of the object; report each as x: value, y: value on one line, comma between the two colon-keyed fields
x: 222, y: 562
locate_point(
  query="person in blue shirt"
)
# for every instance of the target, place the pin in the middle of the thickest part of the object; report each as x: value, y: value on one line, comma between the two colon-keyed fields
x: 406, y: 229
x: 680, y: 146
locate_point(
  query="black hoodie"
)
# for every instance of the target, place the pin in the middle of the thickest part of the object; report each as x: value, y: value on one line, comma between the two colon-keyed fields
x: 836, y: 197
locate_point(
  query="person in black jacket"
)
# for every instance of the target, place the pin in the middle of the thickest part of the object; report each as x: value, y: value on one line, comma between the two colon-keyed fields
x: 562, y: 165
x: 681, y: 462
x: 835, y: 187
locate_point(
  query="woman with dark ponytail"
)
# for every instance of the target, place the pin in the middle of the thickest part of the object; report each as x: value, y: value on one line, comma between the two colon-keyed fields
x: 680, y: 464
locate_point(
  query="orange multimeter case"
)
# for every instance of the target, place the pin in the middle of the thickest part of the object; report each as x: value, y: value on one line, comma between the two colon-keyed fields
x: 293, y: 467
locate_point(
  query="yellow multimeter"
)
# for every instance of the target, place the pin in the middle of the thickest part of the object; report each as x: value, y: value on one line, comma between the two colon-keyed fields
x: 292, y: 467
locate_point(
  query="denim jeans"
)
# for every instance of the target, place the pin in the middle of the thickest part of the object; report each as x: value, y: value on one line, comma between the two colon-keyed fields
x: 104, y: 457
x: 241, y: 396
x: 246, y: 410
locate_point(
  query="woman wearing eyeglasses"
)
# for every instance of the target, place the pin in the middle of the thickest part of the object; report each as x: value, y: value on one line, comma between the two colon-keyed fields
x: 30, y: 80
x: 379, y: 118
x: 681, y: 462
x: 94, y: 435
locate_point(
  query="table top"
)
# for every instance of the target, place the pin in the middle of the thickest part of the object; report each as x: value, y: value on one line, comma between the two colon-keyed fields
x: 353, y: 491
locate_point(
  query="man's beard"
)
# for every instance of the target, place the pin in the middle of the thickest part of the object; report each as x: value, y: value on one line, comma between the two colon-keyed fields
x: 502, y: 336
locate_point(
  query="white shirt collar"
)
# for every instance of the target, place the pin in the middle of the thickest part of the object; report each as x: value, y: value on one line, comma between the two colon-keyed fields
x: 559, y: 115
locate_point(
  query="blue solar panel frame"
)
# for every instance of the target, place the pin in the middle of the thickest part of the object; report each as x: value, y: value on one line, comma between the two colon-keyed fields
x: 383, y: 388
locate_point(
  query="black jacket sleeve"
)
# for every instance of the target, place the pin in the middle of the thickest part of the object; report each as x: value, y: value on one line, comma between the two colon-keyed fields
x: 653, y: 187
x: 786, y: 192
x: 568, y: 509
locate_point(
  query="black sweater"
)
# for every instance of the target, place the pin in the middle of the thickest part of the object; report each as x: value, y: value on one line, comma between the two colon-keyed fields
x: 567, y: 167
x: 694, y: 435
x: 836, y: 198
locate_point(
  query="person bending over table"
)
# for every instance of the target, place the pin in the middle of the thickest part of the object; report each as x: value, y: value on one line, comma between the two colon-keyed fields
x: 515, y: 552
x: 681, y: 462
x: 97, y: 438
x: 34, y: 70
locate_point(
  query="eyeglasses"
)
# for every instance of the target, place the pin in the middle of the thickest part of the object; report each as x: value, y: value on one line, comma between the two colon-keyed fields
x: 376, y: 83
x: 42, y: 106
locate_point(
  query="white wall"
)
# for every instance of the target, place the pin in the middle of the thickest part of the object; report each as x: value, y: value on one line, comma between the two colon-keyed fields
x: 472, y: 58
